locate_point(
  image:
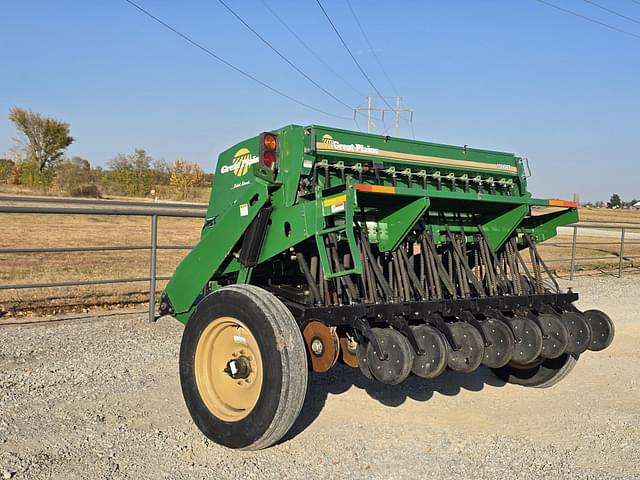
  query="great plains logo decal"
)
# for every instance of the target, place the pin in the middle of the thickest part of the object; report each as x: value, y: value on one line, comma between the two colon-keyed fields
x: 241, y: 162
x: 348, y: 147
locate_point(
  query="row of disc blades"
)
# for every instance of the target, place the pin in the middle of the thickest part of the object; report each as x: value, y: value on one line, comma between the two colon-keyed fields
x: 491, y: 342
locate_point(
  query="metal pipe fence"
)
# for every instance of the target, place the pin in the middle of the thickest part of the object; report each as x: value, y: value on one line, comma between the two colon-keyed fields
x: 625, y: 234
x: 104, y: 203
x: 617, y: 233
x: 168, y: 210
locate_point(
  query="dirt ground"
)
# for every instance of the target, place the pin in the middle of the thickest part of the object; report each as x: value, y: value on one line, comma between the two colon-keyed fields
x: 90, y: 398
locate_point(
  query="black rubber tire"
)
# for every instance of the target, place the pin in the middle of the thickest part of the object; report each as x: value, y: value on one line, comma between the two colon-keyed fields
x: 543, y: 373
x: 284, y: 361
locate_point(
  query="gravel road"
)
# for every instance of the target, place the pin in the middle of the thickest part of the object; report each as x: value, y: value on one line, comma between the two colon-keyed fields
x: 100, y: 398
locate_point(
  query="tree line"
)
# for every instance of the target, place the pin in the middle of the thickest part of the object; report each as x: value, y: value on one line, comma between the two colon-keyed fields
x: 615, y: 201
x: 38, y: 161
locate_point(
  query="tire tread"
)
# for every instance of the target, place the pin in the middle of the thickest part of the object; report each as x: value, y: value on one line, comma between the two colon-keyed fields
x: 294, y: 363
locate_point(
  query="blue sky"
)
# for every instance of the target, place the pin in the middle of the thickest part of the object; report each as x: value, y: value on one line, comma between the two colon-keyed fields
x: 512, y: 75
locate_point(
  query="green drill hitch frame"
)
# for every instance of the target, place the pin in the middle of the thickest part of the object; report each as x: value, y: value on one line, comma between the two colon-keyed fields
x: 396, y: 256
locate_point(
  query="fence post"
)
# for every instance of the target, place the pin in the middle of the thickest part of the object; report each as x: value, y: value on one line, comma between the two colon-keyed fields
x: 621, y: 265
x: 573, y: 252
x: 152, y: 268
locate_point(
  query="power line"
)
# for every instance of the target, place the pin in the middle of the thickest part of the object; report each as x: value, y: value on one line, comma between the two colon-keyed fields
x: 612, y: 11
x: 397, y: 110
x: 282, y: 56
x: 229, y: 64
x: 366, y: 37
x: 310, y: 50
x: 588, y: 19
x: 350, y: 53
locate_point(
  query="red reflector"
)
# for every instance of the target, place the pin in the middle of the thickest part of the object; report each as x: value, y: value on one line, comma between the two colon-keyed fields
x: 270, y: 142
x: 269, y: 159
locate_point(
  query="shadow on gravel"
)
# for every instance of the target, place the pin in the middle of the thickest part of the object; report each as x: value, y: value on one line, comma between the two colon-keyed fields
x: 342, y: 378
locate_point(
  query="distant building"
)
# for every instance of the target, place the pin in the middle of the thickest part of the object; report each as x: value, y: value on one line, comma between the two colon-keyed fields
x: 636, y: 205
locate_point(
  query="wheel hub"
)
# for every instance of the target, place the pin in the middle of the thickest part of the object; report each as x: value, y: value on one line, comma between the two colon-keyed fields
x: 228, y: 369
x: 238, y: 368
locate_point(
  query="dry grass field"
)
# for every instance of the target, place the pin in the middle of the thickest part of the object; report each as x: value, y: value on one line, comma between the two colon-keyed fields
x: 27, y: 231
x: 609, y: 216
x: 163, y: 192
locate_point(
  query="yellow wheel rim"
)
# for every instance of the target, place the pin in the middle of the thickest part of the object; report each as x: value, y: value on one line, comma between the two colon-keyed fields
x: 228, y: 368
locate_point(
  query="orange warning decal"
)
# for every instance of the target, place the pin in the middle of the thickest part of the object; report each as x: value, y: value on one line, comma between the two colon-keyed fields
x: 561, y: 203
x: 375, y: 188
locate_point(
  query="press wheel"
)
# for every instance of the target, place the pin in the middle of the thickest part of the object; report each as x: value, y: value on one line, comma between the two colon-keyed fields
x: 467, y: 353
x: 501, y: 343
x: 528, y: 340
x: 579, y: 332
x: 434, y: 359
x: 363, y: 361
x: 395, y: 368
x: 602, y: 329
x: 555, y: 336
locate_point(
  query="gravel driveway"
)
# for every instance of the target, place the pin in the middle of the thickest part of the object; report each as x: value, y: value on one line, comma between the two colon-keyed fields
x: 100, y: 398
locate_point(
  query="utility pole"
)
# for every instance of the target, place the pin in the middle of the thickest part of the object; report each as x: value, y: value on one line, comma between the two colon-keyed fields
x: 371, y: 110
x: 368, y: 114
x: 398, y: 116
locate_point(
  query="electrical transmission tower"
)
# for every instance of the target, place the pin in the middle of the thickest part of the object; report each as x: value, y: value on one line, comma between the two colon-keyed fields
x: 376, y: 114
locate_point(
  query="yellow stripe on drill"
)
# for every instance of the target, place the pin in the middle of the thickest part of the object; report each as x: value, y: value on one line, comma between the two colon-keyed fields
x: 335, y: 200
